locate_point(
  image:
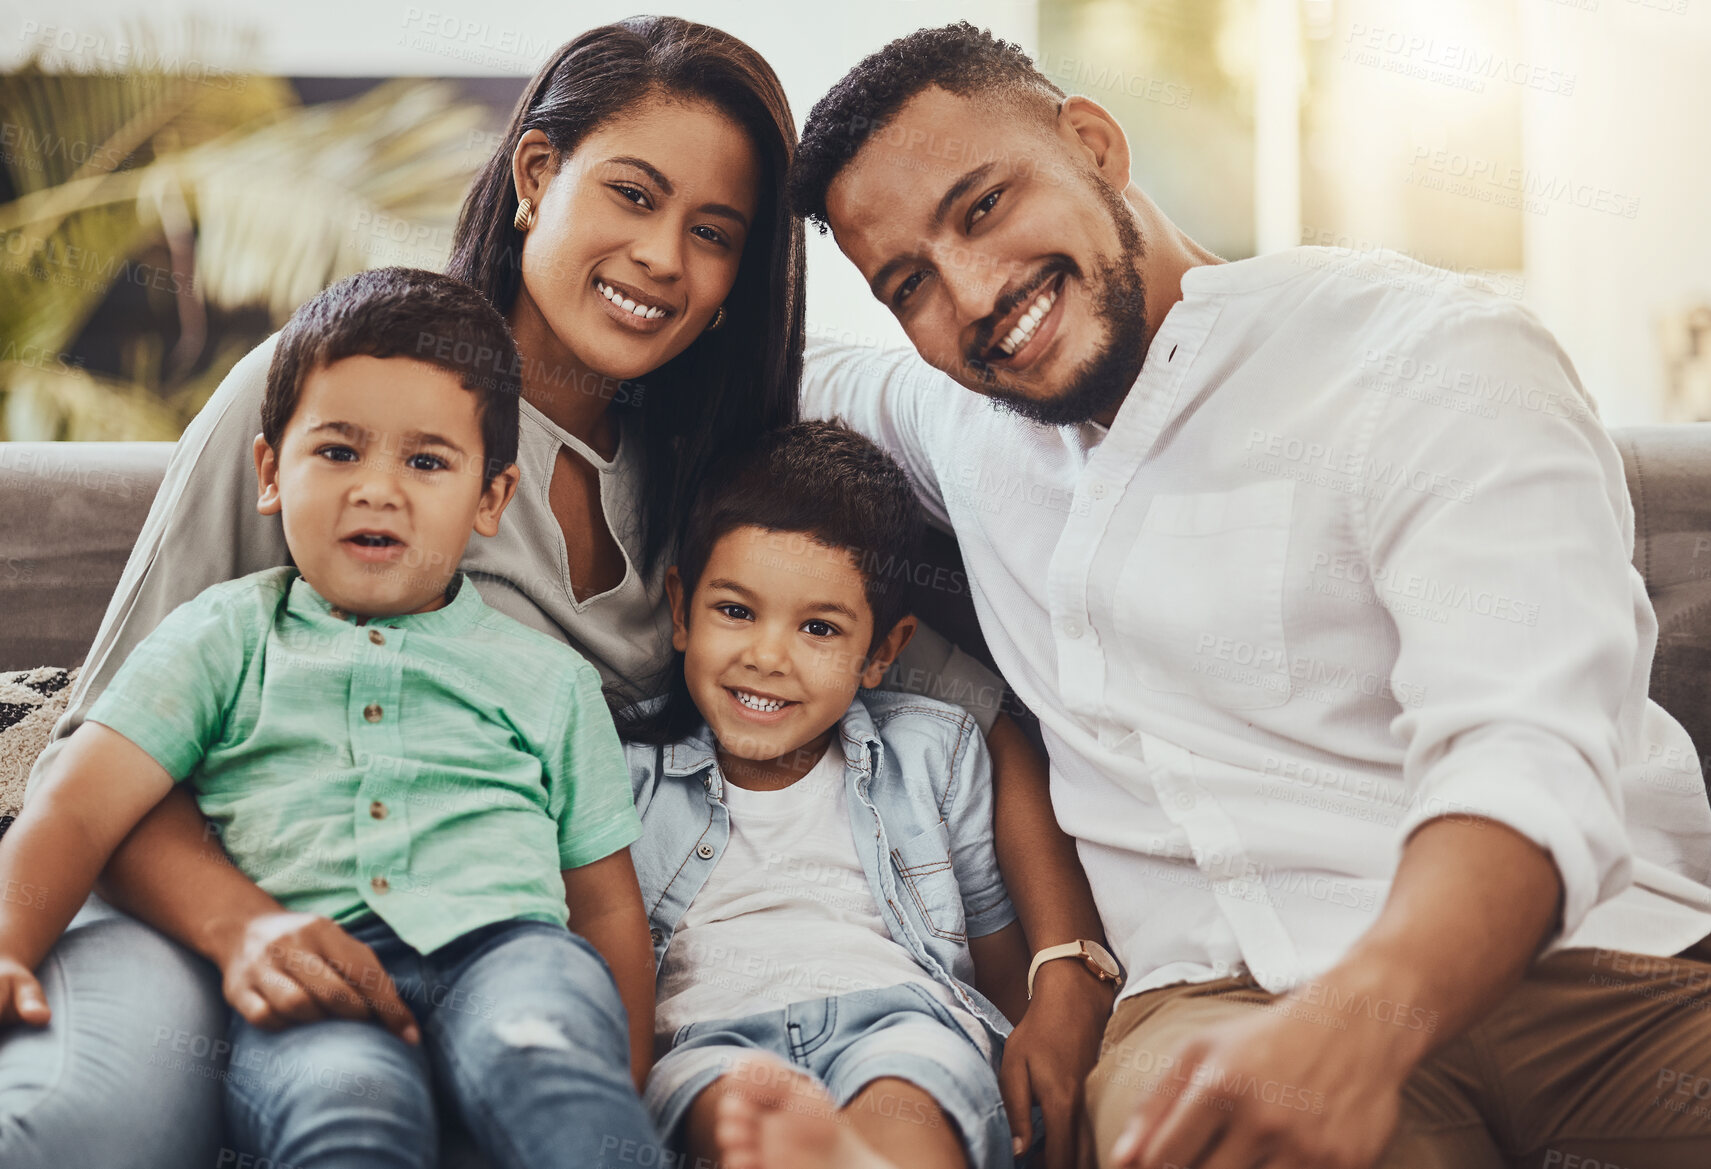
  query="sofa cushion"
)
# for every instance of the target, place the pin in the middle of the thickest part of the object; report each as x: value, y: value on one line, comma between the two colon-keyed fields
x: 73, y: 512
x: 1669, y: 481
x: 1681, y: 671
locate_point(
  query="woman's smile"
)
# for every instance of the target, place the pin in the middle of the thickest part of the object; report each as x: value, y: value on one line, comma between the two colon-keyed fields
x: 631, y: 308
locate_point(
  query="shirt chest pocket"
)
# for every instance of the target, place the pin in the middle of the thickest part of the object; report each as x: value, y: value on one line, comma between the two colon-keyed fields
x: 923, y: 865
x: 1199, y: 598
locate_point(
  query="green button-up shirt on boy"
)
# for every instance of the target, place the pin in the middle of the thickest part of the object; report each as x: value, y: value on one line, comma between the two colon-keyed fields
x: 436, y: 769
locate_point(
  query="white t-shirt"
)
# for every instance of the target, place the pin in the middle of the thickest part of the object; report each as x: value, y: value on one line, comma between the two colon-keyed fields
x: 786, y: 915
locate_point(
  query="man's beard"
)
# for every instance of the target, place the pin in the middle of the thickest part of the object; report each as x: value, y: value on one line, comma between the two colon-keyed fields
x: 1118, y: 297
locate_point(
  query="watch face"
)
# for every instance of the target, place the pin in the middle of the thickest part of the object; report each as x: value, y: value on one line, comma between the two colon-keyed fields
x: 1101, y: 961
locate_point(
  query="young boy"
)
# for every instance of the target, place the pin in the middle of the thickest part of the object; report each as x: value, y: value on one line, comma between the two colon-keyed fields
x: 817, y: 866
x: 384, y: 750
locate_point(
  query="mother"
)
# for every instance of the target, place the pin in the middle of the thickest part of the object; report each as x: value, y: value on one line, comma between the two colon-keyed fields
x: 632, y: 227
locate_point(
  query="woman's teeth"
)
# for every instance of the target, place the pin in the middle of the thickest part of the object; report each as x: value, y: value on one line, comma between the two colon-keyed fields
x: 1024, y: 330
x: 756, y: 702
x: 629, y: 306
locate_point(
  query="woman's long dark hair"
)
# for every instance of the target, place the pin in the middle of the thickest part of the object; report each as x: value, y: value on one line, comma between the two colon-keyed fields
x: 730, y: 384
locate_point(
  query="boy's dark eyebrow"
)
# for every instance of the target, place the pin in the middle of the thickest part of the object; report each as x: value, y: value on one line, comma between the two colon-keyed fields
x: 834, y: 607
x: 414, y: 437
x: 749, y: 594
x: 425, y: 438
x: 348, y: 429
x: 723, y: 210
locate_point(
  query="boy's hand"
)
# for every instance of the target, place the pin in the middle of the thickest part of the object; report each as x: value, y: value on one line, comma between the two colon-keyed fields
x: 299, y: 967
x: 1048, y: 1057
x: 21, y: 997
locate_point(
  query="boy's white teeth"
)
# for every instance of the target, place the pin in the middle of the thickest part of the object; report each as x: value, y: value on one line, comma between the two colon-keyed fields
x: 636, y: 310
x: 756, y: 702
x: 1024, y: 330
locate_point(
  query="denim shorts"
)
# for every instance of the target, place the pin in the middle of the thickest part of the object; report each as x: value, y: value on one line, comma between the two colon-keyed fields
x: 846, y: 1042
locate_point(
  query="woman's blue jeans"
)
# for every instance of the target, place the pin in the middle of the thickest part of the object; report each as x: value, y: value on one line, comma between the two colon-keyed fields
x: 92, y: 1087
x: 133, y: 1069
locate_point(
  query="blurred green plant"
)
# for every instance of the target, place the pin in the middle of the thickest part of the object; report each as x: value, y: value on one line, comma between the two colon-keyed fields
x: 247, y: 200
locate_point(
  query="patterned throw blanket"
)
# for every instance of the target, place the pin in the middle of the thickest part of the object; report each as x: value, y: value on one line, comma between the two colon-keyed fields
x: 31, y: 701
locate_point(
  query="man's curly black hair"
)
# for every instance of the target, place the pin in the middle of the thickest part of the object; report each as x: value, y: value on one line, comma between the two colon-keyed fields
x: 958, y: 58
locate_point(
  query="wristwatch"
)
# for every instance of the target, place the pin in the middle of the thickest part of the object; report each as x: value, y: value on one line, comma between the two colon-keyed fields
x: 1097, y: 957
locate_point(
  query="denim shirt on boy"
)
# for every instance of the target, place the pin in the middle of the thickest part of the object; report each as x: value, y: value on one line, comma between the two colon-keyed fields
x: 918, y: 780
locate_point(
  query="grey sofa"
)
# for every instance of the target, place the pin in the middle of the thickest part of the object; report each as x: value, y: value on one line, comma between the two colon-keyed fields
x: 69, y: 513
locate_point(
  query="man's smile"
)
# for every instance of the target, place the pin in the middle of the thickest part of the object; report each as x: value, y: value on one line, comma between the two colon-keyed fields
x: 1027, y: 320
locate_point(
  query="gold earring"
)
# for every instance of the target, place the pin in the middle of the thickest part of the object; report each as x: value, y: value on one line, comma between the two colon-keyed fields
x: 718, y: 319
x: 525, y: 217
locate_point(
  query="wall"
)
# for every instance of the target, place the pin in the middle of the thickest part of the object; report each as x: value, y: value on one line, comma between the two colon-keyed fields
x: 1636, y: 146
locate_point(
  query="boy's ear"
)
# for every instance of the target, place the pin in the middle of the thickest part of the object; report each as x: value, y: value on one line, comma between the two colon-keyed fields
x: 494, y: 498
x: 679, y: 616
x: 887, y: 650
x: 266, y: 477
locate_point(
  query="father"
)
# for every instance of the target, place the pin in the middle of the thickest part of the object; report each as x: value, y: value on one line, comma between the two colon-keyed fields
x: 1315, y: 568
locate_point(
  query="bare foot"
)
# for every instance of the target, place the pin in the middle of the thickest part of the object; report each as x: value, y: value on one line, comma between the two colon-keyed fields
x: 779, y: 1118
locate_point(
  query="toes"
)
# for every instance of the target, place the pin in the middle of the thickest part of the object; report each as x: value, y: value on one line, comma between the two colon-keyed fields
x: 736, y: 1132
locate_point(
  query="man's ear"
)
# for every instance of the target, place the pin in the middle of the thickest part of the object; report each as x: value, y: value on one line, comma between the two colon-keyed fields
x: 887, y: 650
x: 1097, y: 137
x: 679, y: 613
x: 266, y: 477
x: 532, y: 164
x: 494, y: 497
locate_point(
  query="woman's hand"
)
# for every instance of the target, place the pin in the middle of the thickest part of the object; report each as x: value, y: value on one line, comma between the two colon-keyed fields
x: 290, y: 968
x: 1056, y: 1042
x: 21, y: 997
x: 279, y: 967
x: 1048, y: 1057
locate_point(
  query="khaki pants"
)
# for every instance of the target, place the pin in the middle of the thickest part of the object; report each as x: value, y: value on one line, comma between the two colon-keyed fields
x: 1599, y: 1059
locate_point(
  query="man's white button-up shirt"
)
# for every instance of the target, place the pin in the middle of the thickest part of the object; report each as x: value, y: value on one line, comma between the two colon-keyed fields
x: 1354, y: 554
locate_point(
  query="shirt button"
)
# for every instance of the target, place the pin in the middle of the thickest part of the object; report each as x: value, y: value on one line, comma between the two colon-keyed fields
x: 376, y: 637
x: 380, y: 884
x: 655, y: 936
x: 377, y: 810
x: 372, y: 712
x: 1072, y: 628
x: 705, y: 852
x: 1099, y: 491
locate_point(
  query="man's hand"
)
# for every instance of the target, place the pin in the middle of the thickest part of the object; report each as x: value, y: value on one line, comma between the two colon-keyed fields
x: 21, y: 998
x: 1048, y: 1056
x: 1300, y: 1084
x: 1283, y: 1087
x: 297, y: 968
